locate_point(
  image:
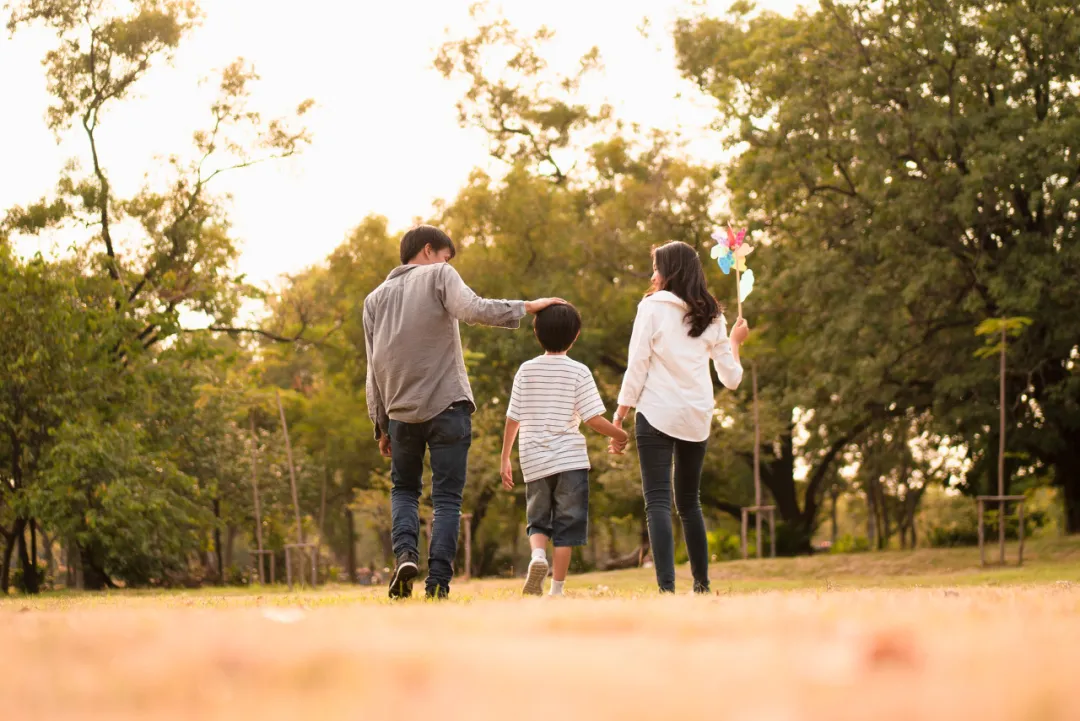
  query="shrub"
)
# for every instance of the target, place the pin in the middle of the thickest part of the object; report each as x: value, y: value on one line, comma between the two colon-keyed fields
x: 965, y: 531
x: 850, y: 544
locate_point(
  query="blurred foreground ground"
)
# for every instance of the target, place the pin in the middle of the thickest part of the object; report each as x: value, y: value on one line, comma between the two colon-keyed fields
x: 881, y: 636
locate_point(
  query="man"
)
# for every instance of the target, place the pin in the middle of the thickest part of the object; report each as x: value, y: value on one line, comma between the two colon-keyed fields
x: 419, y: 397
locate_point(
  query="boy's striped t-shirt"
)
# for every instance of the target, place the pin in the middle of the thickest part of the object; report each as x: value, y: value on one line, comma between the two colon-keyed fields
x: 552, y: 396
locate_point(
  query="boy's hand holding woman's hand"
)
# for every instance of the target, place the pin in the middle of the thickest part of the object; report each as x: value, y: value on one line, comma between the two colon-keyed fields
x: 617, y: 447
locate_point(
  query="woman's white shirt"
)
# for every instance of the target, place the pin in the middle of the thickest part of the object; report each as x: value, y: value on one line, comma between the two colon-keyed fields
x: 667, y: 376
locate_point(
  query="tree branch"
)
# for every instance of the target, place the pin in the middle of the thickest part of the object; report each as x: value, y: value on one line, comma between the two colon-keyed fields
x: 823, y: 466
x: 298, y: 338
x: 89, y: 123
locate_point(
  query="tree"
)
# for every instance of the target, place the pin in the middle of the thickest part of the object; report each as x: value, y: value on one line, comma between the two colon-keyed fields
x: 141, y: 263
x: 47, y: 369
x: 165, y: 251
x: 916, y: 160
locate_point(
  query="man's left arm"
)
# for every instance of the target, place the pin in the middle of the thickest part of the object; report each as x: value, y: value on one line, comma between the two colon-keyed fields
x: 463, y: 304
x: 375, y: 404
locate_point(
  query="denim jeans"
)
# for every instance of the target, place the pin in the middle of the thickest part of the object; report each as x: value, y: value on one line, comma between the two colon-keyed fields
x: 448, y: 437
x: 657, y: 453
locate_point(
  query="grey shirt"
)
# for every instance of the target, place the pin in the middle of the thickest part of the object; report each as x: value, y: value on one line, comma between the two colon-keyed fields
x: 415, y: 367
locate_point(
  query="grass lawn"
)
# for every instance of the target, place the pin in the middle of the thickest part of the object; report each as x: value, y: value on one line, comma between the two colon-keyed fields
x: 922, y: 635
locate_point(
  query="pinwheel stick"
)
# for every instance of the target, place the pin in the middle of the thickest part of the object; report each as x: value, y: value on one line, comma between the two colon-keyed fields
x: 738, y: 292
x: 738, y: 286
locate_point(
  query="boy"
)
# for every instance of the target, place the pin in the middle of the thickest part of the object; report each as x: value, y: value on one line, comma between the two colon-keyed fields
x: 419, y: 397
x: 552, y: 395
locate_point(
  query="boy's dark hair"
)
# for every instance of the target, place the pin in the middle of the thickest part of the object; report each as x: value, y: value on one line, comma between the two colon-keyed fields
x: 414, y: 241
x: 557, y: 327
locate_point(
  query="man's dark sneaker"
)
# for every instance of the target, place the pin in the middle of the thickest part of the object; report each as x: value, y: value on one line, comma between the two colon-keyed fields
x: 404, y: 573
x: 437, y: 593
x: 701, y: 588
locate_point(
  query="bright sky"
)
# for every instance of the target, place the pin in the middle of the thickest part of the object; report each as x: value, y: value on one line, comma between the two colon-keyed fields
x: 386, y: 135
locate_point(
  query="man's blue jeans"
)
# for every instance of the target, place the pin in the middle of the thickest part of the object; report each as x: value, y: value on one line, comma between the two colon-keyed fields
x: 448, y: 437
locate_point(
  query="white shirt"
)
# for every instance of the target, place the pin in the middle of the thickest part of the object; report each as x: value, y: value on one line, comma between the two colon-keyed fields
x: 552, y: 396
x: 667, y: 374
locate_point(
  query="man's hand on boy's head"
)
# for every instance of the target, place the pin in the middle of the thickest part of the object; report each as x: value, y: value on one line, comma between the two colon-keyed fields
x: 532, y: 307
x: 507, y: 474
x: 384, y: 445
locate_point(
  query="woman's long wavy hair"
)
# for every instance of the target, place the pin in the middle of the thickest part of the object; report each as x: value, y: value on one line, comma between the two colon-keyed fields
x: 679, y: 269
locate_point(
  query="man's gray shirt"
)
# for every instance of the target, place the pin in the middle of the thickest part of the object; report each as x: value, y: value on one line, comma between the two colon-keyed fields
x: 415, y: 366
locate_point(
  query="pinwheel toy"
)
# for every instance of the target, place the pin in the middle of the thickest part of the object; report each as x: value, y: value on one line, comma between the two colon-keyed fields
x: 730, y: 252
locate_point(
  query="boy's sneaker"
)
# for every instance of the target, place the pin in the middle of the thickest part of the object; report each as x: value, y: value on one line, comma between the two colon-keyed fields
x: 404, y: 574
x: 534, y: 579
x: 701, y: 588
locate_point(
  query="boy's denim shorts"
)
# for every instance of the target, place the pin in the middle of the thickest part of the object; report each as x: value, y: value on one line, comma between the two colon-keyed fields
x: 558, y: 507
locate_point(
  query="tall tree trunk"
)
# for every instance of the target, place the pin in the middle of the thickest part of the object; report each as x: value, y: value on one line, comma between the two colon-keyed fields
x: 350, y: 556
x: 594, y: 550
x: 218, y: 551
x: 483, y: 501
x: 1067, y: 475
x: 69, y: 564
x: 902, y: 518
x: 9, y: 549
x: 613, y: 539
x: 481, y: 507
x: 92, y: 563
x: 835, y: 493
x: 871, y: 516
x: 886, y: 526
x: 33, y: 543
x: 47, y: 552
x: 29, y: 571
x: 322, y: 508
x: 387, y: 542
x: 230, y: 545
x: 645, y: 544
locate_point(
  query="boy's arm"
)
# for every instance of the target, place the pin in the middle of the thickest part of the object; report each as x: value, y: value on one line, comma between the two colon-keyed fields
x: 604, y: 427
x: 509, y: 435
x: 513, y: 423
x: 590, y: 407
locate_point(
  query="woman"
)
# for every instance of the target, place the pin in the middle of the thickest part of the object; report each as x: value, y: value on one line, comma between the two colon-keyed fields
x: 679, y: 327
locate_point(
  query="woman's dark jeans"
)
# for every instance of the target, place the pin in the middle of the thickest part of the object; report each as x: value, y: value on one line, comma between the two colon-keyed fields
x: 657, y: 453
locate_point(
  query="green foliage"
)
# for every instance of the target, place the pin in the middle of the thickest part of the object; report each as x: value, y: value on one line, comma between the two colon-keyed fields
x: 850, y: 544
x: 993, y: 328
x: 104, y: 490
x: 908, y: 168
x: 724, y: 546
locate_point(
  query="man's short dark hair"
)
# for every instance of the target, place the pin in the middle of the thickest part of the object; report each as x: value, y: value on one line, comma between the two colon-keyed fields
x: 557, y: 327
x: 422, y: 235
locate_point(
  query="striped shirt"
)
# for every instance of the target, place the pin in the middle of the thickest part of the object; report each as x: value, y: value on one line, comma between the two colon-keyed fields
x: 552, y: 396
